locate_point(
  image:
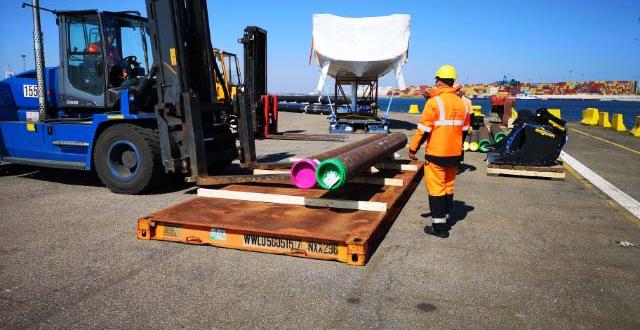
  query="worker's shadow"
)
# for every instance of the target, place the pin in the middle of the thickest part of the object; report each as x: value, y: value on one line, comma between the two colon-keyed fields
x: 465, y: 167
x: 459, y: 211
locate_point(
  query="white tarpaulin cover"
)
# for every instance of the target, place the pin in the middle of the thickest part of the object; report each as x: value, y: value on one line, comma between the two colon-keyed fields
x: 367, y: 47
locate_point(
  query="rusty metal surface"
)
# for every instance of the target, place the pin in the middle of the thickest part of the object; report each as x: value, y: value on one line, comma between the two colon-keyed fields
x: 364, y: 156
x: 268, y: 219
x: 347, y: 147
x: 269, y: 166
x: 475, y: 136
x: 495, y: 128
x: 231, y: 179
x: 319, y: 156
x: 293, y: 220
x: 483, y: 133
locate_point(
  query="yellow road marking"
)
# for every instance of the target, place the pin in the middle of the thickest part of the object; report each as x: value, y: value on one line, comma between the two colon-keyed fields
x: 607, y: 141
x: 609, y: 201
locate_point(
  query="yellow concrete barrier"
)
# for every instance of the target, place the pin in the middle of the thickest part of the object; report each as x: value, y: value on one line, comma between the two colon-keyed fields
x: 590, y: 116
x: 477, y: 109
x: 414, y: 109
x: 555, y: 112
x: 603, y: 121
x: 617, y: 123
x: 635, y: 131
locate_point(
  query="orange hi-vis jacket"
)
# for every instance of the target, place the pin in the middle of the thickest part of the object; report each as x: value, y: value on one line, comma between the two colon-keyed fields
x: 443, y: 120
x: 469, y: 108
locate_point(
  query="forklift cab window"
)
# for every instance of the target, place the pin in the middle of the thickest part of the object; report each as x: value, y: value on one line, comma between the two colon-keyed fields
x: 220, y: 66
x: 111, y: 49
x: 84, y: 56
x: 232, y: 71
x: 127, y: 46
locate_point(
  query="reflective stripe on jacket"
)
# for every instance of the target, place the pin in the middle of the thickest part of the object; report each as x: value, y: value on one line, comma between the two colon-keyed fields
x: 444, y: 117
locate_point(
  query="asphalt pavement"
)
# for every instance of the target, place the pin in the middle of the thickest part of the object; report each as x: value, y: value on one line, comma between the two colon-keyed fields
x: 524, y: 253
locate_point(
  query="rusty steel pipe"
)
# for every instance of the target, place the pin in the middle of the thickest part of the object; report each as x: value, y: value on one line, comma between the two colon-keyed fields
x: 334, y: 172
x: 336, y: 151
x: 234, y: 179
x: 485, y: 139
x: 303, y: 172
x: 497, y: 132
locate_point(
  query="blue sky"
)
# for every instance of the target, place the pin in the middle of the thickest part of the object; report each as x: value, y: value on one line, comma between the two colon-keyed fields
x: 527, y: 40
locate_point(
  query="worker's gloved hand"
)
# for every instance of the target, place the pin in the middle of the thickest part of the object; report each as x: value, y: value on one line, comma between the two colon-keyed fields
x: 412, y: 155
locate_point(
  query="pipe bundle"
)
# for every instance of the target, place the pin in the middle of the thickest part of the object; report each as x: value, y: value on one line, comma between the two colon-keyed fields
x: 332, y: 169
x: 303, y: 172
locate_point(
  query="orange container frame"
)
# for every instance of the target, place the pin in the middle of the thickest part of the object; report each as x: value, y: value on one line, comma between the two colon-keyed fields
x: 345, y: 235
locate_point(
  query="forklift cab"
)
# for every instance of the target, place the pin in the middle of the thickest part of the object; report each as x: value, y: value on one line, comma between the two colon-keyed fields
x: 100, y: 54
x: 227, y: 63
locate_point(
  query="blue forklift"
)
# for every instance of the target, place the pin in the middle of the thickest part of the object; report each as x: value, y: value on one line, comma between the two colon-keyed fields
x: 134, y: 99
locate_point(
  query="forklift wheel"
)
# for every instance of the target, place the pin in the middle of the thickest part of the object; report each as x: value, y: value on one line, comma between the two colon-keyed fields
x: 127, y: 158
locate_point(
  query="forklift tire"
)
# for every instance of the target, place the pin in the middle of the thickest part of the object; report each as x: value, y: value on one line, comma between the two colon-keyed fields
x: 127, y: 158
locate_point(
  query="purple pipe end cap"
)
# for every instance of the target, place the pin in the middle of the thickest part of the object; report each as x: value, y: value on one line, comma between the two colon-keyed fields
x: 303, y: 173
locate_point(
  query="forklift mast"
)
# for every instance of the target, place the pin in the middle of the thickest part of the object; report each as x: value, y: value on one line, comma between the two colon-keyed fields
x: 250, y: 111
x: 255, y: 71
x: 194, y: 137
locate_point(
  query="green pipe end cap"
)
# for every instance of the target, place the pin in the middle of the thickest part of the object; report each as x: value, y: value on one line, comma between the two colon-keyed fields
x: 484, y: 144
x: 499, y: 136
x: 331, y: 174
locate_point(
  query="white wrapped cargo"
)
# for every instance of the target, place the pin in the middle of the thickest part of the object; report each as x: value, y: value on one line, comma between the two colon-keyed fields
x: 367, y: 47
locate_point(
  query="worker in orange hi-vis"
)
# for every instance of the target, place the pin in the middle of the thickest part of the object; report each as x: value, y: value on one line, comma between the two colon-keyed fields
x: 468, y: 107
x: 441, y: 125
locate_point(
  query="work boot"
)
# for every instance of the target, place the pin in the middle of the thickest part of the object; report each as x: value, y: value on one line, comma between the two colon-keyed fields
x: 438, y: 229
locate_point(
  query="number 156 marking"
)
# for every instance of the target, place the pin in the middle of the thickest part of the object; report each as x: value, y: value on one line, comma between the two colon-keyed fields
x: 30, y: 90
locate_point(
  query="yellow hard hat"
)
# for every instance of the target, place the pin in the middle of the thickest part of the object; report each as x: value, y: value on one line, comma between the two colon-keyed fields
x: 447, y: 72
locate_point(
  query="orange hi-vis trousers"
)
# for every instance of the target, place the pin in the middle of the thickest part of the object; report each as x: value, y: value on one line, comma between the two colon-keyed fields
x: 440, y: 182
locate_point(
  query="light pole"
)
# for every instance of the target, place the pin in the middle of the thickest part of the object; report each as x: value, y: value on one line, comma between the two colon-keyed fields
x: 23, y: 62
